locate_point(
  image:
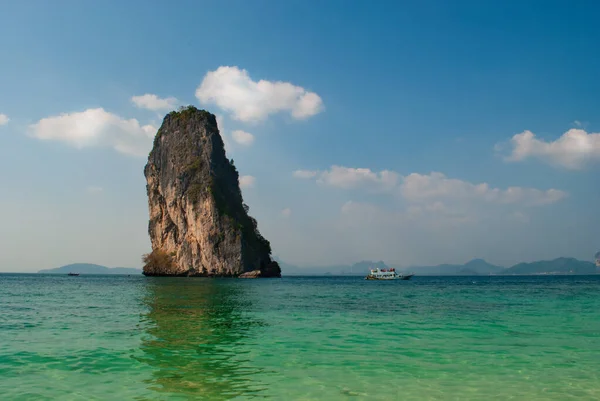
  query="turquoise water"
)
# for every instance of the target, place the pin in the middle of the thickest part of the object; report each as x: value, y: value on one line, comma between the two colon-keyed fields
x: 136, y: 338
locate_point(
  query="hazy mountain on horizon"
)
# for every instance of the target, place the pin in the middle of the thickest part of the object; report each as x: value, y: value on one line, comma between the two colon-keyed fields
x: 475, y: 267
x: 556, y: 266
x: 90, y: 268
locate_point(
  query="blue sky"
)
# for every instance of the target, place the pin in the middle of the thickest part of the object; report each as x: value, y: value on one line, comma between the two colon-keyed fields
x: 381, y: 130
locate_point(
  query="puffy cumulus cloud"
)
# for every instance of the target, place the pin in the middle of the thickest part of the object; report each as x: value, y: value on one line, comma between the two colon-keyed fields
x: 154, y: 103
x: 247, y: 181
x: 232, y: 90
x: 573, y: 150
x: 4, y: 119
x: 242, y: 137
x: 429, y: 188
x: 352, y: 178
x: 96, y: 128
x: 436, y: 186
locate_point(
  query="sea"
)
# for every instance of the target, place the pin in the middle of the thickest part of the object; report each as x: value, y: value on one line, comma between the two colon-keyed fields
x: 299, y: 338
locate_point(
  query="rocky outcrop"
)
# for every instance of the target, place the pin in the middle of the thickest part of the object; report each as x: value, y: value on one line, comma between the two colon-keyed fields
x: 252, y: 274
x: 199, y: 225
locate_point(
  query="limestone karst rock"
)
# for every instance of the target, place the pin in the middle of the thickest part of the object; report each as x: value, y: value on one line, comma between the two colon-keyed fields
x: 199, y: 225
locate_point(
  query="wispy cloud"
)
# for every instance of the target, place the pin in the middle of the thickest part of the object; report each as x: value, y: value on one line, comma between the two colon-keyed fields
x: 4, y: 119
x: 305, y: 174
x: 352, y: 178
x: 436, y: 186
x: 428, y: 188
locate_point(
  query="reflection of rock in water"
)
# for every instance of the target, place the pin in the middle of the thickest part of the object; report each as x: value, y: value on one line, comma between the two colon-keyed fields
x: 197, y: 339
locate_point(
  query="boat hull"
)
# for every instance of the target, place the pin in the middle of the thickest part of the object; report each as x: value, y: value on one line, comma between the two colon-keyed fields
x: 387, y: 274
x: 381, y: 278
x: 390, y: 278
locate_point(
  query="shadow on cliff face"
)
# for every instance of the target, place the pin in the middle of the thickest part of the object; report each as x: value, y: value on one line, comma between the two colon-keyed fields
x: 194, y: 339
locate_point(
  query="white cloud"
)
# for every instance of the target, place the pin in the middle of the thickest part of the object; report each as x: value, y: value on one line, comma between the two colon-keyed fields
x: 305, y: 174
x: 573, y: 150
x: 96, y: 128
x: 435, y: 186
x: 154, y: 103
x: 352, y: 178
x: 4, y: 119
x: 287, y: 212
x: 232, y: 90
x: 247, y: 181
x: 94, y: 189
x: 429, y: 188
x: 243, y: 137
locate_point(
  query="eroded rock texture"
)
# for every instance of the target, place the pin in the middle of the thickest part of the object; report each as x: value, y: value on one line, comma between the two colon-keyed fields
x: 198, y: 221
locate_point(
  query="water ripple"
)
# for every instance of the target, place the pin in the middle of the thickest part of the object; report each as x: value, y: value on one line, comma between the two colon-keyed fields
x: 104, y: 338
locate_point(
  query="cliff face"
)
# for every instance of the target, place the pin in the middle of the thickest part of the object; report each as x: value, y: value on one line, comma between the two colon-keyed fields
x: 199, y: 224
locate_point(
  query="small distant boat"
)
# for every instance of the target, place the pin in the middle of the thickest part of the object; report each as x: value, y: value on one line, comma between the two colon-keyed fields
x: 73, y: 274
x: 387, y: 274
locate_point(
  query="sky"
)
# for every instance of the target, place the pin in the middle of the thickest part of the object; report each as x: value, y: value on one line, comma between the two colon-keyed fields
x: 417, y: 132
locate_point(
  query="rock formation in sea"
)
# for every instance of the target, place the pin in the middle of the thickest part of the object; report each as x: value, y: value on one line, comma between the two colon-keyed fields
x: 199, y: 224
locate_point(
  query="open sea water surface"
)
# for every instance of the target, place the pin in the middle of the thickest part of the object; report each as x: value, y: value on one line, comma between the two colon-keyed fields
x: 328, y: 338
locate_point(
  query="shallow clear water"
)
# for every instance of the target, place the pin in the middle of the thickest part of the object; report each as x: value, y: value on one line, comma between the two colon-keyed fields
x: 136, y: 338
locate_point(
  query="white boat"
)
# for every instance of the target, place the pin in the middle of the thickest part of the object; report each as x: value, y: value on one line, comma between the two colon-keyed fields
x: 387, y: 274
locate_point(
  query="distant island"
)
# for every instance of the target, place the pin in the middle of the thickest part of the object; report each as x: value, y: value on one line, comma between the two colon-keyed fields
x: 556, y: 266
x: 90, y: 268
x: 475, y: 267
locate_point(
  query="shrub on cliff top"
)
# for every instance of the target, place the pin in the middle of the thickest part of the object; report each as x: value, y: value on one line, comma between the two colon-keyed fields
x: 188, y: 111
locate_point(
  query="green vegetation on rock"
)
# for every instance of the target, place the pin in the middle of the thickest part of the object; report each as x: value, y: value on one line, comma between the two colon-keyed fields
x: 158, y: 260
